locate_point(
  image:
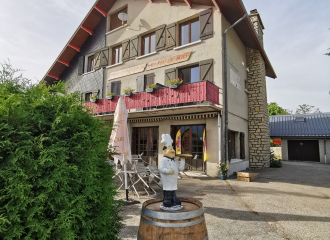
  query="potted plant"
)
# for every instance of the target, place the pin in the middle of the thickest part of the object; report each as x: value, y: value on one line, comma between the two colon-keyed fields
x: 110, y: 95
x: 174, y: 83
x: 223, y: 170
x: 94, y: 98
x: 151, y: 88
x: 128, y: 91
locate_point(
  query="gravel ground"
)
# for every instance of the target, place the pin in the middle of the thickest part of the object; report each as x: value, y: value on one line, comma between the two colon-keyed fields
x: 292, y: 202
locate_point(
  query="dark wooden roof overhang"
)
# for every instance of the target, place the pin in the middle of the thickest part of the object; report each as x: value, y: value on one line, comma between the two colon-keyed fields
x: 231, y: 9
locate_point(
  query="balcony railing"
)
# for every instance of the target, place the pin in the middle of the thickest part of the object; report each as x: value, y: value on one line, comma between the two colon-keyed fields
x: 188, y: 93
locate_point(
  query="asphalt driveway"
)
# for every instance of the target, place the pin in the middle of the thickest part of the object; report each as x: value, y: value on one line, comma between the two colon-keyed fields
x: 292, y: 202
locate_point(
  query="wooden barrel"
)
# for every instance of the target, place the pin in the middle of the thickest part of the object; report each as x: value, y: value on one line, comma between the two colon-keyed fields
x: 186, y: 224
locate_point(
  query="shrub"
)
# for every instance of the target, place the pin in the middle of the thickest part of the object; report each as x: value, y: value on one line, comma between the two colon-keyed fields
x: 274, y: 162
x: 54, y: 181
x: 223, y: 168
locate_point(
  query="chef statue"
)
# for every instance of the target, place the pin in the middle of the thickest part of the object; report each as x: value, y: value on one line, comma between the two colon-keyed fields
x: 169, y: 171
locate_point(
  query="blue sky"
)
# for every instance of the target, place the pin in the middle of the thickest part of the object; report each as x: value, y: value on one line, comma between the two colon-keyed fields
x: 296, y: 35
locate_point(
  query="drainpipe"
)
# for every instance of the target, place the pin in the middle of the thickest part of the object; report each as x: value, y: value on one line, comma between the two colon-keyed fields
x: 325, y: 150
x: 219, y: 136
x: 225, y: 84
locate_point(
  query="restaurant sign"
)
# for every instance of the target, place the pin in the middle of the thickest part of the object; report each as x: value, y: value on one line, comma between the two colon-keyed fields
x: 168, y: 61
x: 128, y: 71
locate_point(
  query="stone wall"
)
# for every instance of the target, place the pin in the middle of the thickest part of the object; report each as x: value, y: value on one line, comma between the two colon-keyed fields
x: 259, y: 144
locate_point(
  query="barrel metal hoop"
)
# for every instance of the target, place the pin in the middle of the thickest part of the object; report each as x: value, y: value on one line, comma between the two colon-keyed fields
x: 172, y: 215
x: 140, y: 238
x: 172, y: 225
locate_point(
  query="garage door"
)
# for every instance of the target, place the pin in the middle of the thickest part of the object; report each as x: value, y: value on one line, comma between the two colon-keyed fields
x: 304, y: 150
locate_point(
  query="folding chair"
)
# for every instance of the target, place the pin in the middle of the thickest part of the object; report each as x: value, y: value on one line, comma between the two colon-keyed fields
x: 155, y: 173
x: 118, y: 172
x: 140, y: 173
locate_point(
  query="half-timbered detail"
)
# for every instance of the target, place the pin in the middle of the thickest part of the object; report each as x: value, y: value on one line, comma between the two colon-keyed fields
x: 107, y: 54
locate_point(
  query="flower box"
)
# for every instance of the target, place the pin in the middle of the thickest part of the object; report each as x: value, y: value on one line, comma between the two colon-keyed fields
x: 150, y: 90
x: 173, y: 86
x: 128, y: 94
x: 109, y: 97
x: 93, y: 100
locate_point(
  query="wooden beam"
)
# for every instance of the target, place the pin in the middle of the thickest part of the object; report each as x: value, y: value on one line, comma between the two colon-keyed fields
x: 87, y: 30
x: 52, y: 76
x: 169, y: 2
x: 101, y: 11
x: 188, y: 3
x: 217, y: 5
x: 74, y: 47
x: 65, y: 63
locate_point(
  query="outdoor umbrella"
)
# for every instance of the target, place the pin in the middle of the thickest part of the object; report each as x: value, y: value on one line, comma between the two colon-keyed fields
x: 119, y: 138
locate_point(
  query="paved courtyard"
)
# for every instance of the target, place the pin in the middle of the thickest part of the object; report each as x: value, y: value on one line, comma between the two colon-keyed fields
x: 292, y: 202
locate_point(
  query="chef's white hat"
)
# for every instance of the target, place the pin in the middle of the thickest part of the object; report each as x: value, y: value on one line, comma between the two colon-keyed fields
x: 166, y: 140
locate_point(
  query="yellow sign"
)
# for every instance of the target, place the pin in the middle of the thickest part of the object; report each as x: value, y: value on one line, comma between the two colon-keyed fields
x: 178, y: 142
x: 168, y: 61
x: 204, y: 146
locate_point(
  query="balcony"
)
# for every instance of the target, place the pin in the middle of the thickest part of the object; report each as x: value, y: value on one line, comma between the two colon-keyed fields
x: 188, y: 94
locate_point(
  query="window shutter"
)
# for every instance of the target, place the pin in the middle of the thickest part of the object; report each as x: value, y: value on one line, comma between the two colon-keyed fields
x: 134, y: 46
x: 81, y: 65
x: 149, y: 79
x: 206, y: 70
x: 97, y: 60
x: 115, y: 88
x: 104, y: 57
x: 140, y: 87
x: 125, y: 49
x: 83, y: 96
x: 206, y: 24
x: 242, y: 146
x: 170, y: 36
x: 169, y: 74
x: 160, y: 37
x: 229, y: 144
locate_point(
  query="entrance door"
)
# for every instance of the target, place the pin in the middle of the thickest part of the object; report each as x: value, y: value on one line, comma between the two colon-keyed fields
x: 145, y: 140
x: 191, y: 143
x: 304, y: 150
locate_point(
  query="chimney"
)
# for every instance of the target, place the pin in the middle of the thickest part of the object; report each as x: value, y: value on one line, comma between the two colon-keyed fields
x: 257, y: 24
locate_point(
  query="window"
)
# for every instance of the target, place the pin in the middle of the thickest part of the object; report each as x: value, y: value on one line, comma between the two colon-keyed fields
x: 115, y: 22
x: 189, y: 74
x: 149, y: 43
x: 117, y: 54
x: 88, y: 96
x: 90, y: 63
x: 189, y: 32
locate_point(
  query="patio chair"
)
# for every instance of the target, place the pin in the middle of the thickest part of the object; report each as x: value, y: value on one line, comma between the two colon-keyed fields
x: 139, y: 158
x: 140, y: 173
x: 118, y: 172
x: 155, y: 173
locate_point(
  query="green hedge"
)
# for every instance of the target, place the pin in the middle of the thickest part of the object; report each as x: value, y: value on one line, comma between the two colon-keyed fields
x: 54, y: 181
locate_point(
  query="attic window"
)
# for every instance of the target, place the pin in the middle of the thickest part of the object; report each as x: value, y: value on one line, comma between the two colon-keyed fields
x: 299, y: 119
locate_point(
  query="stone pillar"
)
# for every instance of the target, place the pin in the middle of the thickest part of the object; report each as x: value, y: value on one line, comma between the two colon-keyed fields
x: 259, y: 145
x: 258, y: 25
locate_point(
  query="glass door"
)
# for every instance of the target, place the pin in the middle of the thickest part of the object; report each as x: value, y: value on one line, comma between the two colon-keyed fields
x: 145, y: 140
x: 191, y: 143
